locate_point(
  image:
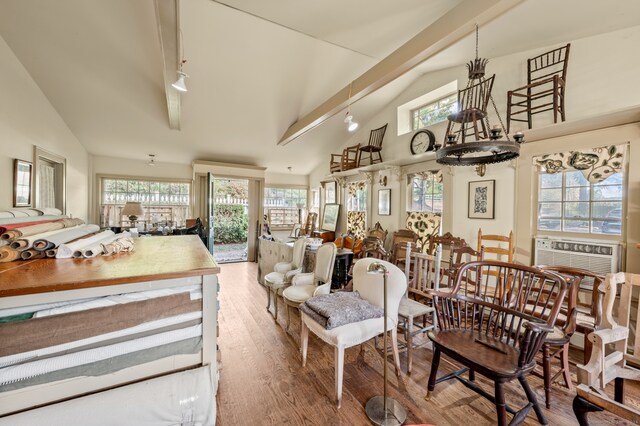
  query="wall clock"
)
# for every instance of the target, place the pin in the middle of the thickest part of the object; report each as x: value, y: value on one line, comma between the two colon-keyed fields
x: 422, y: 141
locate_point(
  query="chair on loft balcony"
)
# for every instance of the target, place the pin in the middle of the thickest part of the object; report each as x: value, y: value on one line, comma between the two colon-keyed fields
x: 346, y: 161
x: 374, y: 146
x: 472, y: 103
x: 546, y: 83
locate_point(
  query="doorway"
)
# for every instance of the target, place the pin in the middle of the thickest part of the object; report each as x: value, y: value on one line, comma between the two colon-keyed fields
x: 230, y: 219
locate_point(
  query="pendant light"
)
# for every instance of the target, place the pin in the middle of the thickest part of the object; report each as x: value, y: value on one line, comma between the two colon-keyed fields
x: 179, y: 84
x: 348, y: 119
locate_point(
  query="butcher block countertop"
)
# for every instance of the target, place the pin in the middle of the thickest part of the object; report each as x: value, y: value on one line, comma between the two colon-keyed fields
x: 153, y: 258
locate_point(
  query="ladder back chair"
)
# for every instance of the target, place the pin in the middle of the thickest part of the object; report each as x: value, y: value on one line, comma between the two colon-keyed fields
x: 374, y: 146
x: 346, y: 161
x: 309, y: 225
x: 472, y: 108
x: 486, y: 327
x: 500, y: 246
x: 424, y: 279
x: 447, y: 242
x: 545, y: 89
x: 399, y: 242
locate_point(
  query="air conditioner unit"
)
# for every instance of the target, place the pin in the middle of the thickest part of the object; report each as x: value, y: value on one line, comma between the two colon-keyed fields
x: 602, y: 257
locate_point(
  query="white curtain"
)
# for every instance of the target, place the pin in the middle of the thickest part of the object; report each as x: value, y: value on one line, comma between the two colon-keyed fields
x: 46, y: 186
x: 111, y: 214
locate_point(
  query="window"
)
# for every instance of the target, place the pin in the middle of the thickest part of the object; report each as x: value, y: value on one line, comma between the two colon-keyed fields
x: 567, y: 202
x: 426, y: 193
x: 434, y: 112
x: 284, y: 206
x: 357, y: 197
x: 162, y: 201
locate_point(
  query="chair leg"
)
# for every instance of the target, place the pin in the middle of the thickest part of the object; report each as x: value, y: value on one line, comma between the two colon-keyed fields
x: 588, y: 347
x: 555, y: 100
x: 268, y: 297
x: 435, y: 362
x: 546, y: 373
x: 409, y: 340
x: 566, y: 373
x: 501, y: 407
x: 275, y: 302
x: 396, y: 352
x: 288, y: 317
x: 304, y: 341
x: 339, y: 351
x: 472, y: 375
x: 533, y: 400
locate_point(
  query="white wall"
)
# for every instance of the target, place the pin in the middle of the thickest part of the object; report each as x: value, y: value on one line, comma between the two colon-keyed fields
x: 285, y: 179
x: 602, y: 77
x: 27, y: 119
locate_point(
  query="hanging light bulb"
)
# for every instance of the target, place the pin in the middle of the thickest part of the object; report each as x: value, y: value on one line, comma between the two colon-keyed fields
x: 179, y: 84
x: 351, y: 125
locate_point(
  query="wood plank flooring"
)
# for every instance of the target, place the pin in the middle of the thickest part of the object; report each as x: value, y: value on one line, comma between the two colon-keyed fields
x: 262, y: 381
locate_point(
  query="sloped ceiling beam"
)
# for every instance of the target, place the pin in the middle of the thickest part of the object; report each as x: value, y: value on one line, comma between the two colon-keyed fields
x: 168, y: 23
x: 449, y: 29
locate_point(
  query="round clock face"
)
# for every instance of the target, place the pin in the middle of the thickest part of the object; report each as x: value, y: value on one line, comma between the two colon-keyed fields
x: 422, y: 141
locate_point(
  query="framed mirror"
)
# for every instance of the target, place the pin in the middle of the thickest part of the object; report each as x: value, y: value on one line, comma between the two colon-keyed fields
x: 22, y: 173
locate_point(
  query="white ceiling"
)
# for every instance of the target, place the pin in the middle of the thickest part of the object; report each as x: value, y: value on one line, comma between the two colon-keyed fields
x: 255, y: 66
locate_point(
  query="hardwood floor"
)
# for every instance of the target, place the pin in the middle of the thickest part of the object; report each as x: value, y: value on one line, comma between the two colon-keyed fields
x: 262, y: 381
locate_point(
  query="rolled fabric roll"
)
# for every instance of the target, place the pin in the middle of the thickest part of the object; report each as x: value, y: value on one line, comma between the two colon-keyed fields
x: 24, y: 243
x: 31, y: 254
x: 66, y: 251
x: 51, y: 252
x: 98, y: 248
x: 6, y: 227
x: 7, y: 254
x: 64, y: 236
x: 40, y: 228
x: 119, y: 245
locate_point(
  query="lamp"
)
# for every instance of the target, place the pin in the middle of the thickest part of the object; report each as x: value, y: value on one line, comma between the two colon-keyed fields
x: 179, y: 84
x: 381, y: 410
x: 348, y: 119
x: 480, y: 152
x: 133, y: 209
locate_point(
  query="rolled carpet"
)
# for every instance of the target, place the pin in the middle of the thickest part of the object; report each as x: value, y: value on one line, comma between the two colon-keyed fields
x: 64, y: 236
x: 24, y: 243
x: 98, y: 248
x: 7, y: 254
x: 120, y: 245
x: 7, y: 227
x: 40, y: 228
x: 32, y: 254
x: 104, y: 236
x: 66, y: 251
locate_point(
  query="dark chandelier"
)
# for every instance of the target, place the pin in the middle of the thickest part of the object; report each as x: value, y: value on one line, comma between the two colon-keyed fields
x: 459, y: 152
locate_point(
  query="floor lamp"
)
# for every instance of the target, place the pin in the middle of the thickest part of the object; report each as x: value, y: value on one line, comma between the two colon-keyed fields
x: 381, y: 410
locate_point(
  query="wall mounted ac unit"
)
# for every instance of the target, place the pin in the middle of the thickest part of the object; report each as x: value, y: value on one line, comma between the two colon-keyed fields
x: 596, y: 256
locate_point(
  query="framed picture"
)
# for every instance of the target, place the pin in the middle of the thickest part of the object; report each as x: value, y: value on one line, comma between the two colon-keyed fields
x: 330, y: 217
x: 384, y: 202
x: 22, y: 172
x: 330, y: 192
x: 482, y: 199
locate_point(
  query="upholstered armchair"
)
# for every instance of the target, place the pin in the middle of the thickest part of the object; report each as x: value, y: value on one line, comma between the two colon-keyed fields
x: 305, y: 286
x: 283, y: 273
x: 370, y: 287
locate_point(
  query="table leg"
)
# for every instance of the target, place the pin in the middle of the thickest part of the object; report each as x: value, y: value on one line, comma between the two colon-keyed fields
x: 409, y: 344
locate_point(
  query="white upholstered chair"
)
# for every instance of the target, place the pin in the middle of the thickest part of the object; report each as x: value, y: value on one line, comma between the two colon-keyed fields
x: 370, y: 287
x: 305, y: 286
x: 283, y: 273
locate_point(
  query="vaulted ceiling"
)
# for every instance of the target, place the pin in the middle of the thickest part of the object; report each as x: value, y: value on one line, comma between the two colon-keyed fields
x: 255, y: 67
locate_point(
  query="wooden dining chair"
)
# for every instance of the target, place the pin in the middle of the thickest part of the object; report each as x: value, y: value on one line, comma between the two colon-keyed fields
x: 473, y: 102
x: 374, y: 146
x: 309, y: 225
x: 486, y: 327
x: 348, y: 160
x: 399, y: 242
x: 544, y: 91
